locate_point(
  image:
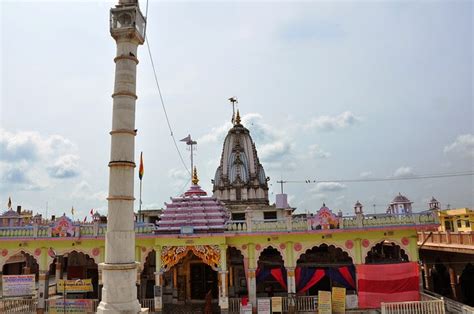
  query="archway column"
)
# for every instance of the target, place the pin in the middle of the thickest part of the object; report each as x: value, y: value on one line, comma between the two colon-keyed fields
x: 251, y: 279
x: 158, y: 293
x: 43, y: 283
x: 58, y: 272
x: 223, y: 291
x: 358, y: 252
x: 453, y: 281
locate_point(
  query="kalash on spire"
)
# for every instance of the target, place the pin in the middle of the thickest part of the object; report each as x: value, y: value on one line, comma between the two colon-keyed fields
x: 240, y: 179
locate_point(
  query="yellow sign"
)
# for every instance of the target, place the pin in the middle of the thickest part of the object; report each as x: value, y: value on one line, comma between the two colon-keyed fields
x: 74, y: 286
x: 324, y: 302
x: 338, y: 300
x: 276, y: 304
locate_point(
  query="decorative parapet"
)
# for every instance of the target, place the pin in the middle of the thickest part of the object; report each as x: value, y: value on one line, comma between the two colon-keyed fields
x: 287, y: 224
x: 348, y: 222
x: 86, y: 230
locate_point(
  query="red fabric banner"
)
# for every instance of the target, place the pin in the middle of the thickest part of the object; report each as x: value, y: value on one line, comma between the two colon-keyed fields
x: 387, y: 283
x: 317, y: 276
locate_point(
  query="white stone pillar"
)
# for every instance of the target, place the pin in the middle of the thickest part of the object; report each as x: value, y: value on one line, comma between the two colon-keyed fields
x: 119, y: 271
x: 223, y: 292
x: 158, y: 292
x: 43, y: 286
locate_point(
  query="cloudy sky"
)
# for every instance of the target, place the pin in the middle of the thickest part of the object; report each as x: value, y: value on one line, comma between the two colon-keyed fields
x: 330, y: 90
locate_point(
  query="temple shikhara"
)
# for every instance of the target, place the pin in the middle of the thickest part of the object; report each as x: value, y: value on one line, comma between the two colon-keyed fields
x: 229, y: 250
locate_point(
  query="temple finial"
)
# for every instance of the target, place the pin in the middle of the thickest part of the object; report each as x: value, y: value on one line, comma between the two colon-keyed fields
x: 237, y: 118
x: 195, y: 179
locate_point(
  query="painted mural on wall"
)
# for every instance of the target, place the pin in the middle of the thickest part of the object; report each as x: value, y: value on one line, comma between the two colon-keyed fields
x: 63, y: 227
x: 324, y: 219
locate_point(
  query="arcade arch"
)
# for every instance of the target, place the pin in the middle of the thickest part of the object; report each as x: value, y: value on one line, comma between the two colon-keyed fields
x: 76, y: 265
x: 270, y: 273
x: 21, y: 263
x: 323, y: 267
x: 238, y: 286
x: 386, y: 252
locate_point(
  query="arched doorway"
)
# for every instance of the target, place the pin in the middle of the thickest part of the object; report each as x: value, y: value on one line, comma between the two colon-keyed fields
x: 466, y: 281
x: 441, y: 281
x: 322, y: 268
x: 237, y: 280
x: 191, y: 274
x: 270, y: 274
x: 21, y: 263
x: 78, y: 265
x: 147, y: 276
x: 386, y: 252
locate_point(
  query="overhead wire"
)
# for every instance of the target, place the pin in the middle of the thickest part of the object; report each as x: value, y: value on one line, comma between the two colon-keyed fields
x: 161, y: 97
x: 414, y: 177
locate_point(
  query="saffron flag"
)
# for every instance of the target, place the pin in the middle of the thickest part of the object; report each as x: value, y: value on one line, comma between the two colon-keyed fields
x: 85, y: 219
x: 9, y: 205
x: 387, y: 283
x: 72, y: 210
x: 141, y: 170
x: 92, y: 212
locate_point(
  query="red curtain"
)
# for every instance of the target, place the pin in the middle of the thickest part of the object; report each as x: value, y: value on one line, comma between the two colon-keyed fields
x: 387, y: 283
x: 278, y: 275
x: 317, y: 276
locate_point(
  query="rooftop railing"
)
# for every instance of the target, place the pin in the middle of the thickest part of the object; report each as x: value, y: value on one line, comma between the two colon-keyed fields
x: 286, y: 224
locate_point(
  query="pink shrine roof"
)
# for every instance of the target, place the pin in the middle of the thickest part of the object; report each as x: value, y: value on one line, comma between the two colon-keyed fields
x: 194, y: 209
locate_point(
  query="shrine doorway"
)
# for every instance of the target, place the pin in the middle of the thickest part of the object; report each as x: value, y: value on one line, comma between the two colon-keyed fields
x: 203, y: 279
x: 190, y: 275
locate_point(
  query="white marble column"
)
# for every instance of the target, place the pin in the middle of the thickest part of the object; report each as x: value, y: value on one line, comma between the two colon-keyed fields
x: 119, y: 271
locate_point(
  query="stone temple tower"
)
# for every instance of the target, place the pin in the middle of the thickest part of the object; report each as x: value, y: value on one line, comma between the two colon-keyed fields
x: 119, y: 272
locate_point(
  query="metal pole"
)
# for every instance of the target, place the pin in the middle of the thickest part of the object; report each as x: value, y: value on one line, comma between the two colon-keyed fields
x: 140, y: 204
x: 192, y: 162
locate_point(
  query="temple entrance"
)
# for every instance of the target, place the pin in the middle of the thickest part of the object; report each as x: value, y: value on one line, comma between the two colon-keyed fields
x: 203, y: 280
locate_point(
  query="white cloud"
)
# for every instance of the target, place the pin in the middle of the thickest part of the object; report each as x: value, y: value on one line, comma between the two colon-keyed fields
x: 65, y: 167
x: 366, y: 174
x: 403, y: 172
x: 25, y: 159
x: 314, y: 151
x: 84, y: 191
x: 331, y: 123
x: 463, y: 145
x: 216, y: 135
x: 328, y: 187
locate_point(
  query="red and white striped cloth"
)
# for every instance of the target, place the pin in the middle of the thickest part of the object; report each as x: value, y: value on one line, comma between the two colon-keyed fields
x: 387, y: 283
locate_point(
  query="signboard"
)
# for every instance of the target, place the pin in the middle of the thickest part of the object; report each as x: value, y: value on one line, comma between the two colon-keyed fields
x: 263, y: 306
x: 18, y: 285
x: 338, y: 300
x: 72, y: 306
x: 246, y: 309
x: 75, y: 286
x: 276, y: 304
x: 187, y: 229
x: 352, y: 301
x: 324, y: 302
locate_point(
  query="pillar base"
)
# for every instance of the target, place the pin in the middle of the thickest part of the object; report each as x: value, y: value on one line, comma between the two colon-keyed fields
x: 119, y: 294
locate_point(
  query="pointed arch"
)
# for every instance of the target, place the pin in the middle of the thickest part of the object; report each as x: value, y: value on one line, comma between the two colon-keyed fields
x: 385, y: 252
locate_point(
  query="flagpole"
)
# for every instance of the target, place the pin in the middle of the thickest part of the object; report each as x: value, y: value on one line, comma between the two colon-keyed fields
x: 140, y: 204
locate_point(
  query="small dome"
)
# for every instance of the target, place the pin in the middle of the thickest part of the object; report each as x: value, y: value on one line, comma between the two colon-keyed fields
x: 401, y: 199
x: 357, y: 204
